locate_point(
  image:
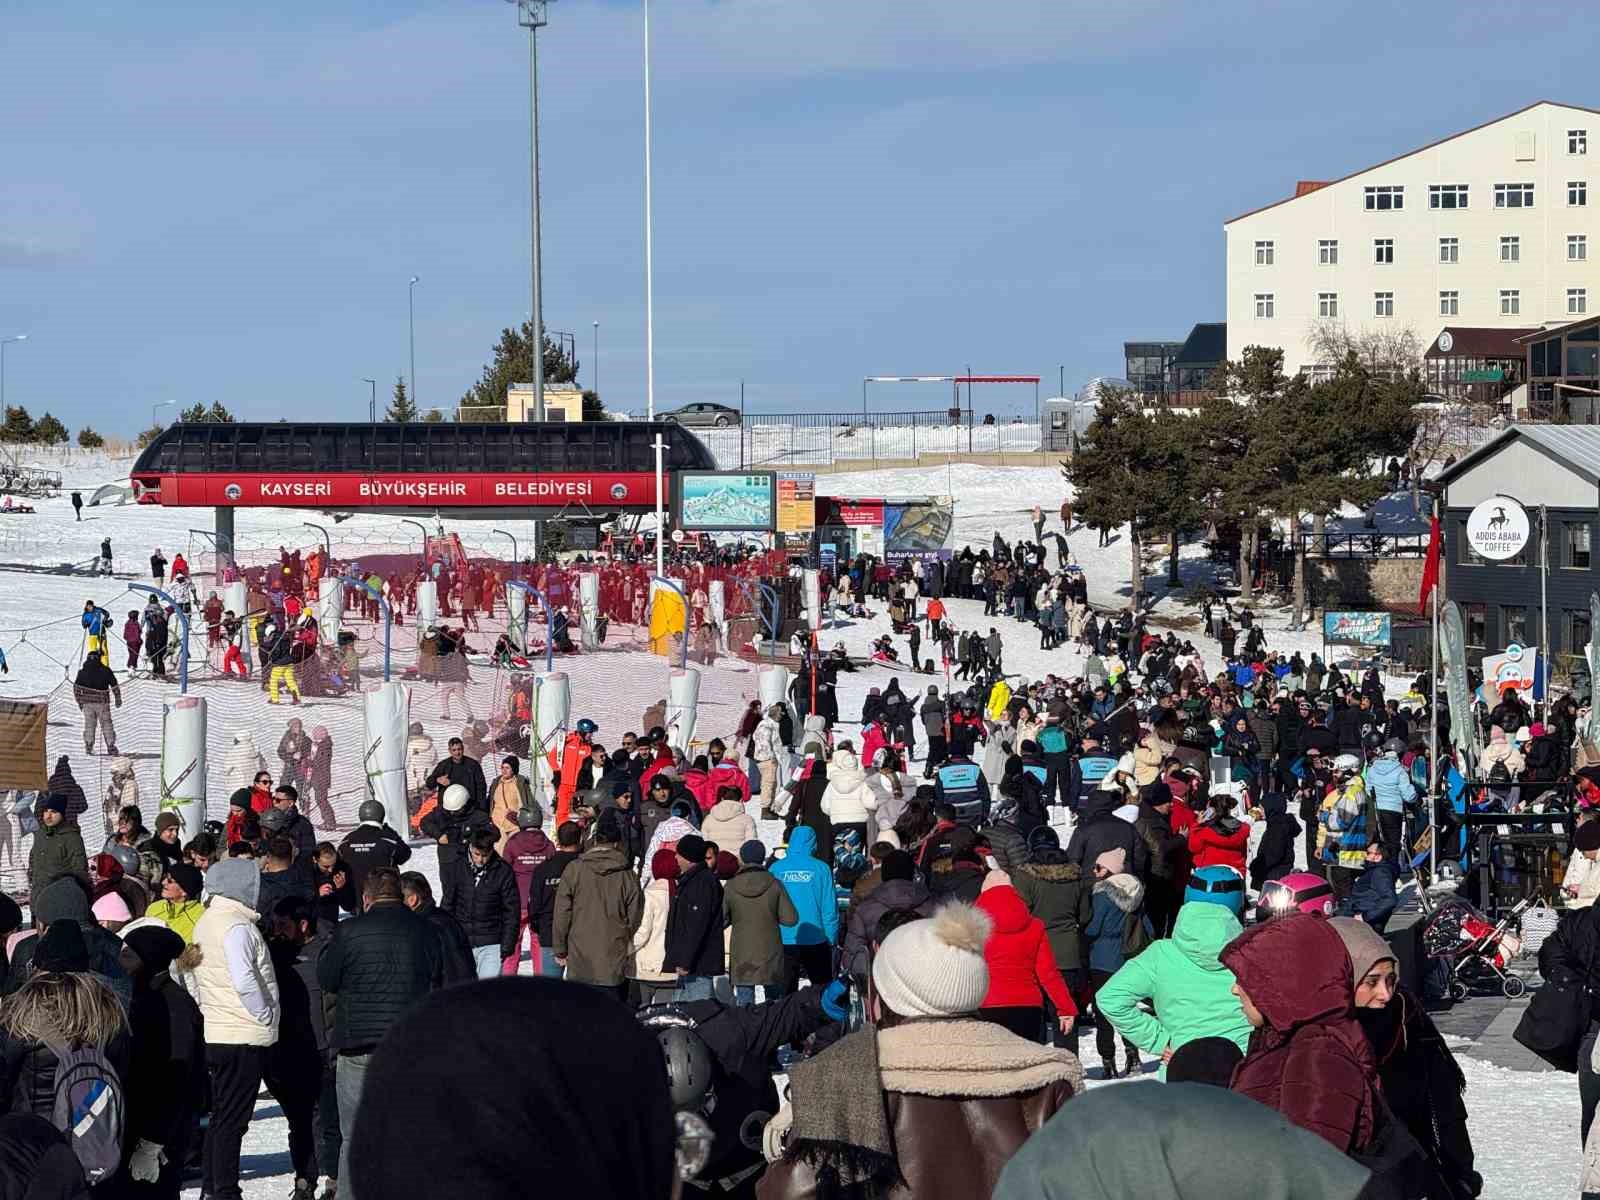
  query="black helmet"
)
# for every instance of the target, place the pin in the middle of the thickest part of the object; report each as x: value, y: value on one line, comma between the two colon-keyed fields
x: 1373, y: 740
x: 530, y: 816
x: 1395, y: 746
x: 215, y: 828
x: 691, y: 1067
x: 275, y: 819
x: 370, y: 810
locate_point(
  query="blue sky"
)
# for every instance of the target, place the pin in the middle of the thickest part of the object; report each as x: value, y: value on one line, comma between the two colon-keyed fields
x: 225, y: 202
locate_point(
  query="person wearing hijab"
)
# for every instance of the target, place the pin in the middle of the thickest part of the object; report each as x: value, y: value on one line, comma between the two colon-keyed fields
x: 456, y: 1108
x: 1422, y: 1082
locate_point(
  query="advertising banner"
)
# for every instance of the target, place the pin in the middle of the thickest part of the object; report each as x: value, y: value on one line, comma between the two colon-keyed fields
x: 1453, y: 647
x: 1357, y: 628
x: 867, y: 513
x: 285, y: 490
x: 725, y: 500
x: 1514, y: 667
x: 797, y: 502
x: 921, y: 530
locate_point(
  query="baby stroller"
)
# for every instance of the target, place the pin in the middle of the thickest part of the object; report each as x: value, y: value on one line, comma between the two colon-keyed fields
x: 1472, y: 948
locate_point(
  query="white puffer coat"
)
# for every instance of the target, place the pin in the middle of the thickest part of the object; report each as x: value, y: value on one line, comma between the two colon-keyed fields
x: 847, y: 799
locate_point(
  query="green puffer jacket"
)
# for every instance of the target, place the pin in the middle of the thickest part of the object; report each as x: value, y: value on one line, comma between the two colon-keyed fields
x: 1060, y: 895
x: 1191, y: 990
x: 57, y: 851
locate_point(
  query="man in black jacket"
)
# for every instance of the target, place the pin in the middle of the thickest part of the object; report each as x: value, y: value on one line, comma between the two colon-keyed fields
x: 294, y: 1063
x: 468, y: 772
x: 694, y: 923
x: 297, y: 923
x: 1100, y: 829
x: 1346, y: 727
x: 166, y: 1080
x: 373, y: 843
x: 1168, y: 855
x: 458, y: 963
x: 485, y: 900
x: 378, y: 965
x: 295, y: 827
x: 283, y: 878
x: 542, y: 895
x: 94, y: 688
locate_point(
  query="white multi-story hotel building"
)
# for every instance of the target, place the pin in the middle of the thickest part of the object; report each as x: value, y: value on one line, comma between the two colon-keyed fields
x: 1491, y: 229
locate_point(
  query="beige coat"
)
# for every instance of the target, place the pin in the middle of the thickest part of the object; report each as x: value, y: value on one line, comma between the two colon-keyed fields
x: 728, y: 825
x: 228, y: 1022
x: 650, y: 939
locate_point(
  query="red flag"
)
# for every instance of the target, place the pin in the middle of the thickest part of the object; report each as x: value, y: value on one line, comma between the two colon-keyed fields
x: 1430, y: 570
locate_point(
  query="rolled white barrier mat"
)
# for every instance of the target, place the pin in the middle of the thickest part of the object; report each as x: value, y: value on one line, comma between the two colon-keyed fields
x: 330, y: 609
x: 589, y: 609
x: 384, y: 713
x: 717, y: 610
x: 683, y: 702
x: 516, y: 617
x: 236, y: 599
x: 773, y: 685
x: 427, y: 604
x: 552, y: 714
x: 811, y: 590
x: 183, y: 763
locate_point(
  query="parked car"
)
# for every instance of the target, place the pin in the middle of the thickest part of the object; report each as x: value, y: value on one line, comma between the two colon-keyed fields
x: 705, y: 415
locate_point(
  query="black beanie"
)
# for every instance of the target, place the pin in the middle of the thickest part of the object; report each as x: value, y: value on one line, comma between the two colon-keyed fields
x: 240, y: 798
x: 155, y: 946
x: 1587, y: 836
x: 1205, y: 1060
x: 897, y: 864
x: 692, y: 847
x: 62, y: 948
x: 453, y: 1107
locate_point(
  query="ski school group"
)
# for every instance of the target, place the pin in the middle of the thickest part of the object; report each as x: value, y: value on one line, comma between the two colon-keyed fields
x: 822, y: 958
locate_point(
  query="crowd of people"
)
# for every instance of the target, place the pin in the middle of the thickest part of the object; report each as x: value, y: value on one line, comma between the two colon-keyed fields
x: 760, y: 934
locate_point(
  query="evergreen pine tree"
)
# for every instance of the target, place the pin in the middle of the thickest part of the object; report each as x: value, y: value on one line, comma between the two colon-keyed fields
x: 401, y: 409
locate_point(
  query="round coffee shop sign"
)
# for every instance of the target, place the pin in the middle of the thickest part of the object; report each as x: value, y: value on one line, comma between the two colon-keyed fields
x: 1498, y: 528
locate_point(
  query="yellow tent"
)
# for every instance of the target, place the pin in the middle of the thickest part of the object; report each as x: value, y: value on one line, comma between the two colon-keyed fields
x: 669, y: 620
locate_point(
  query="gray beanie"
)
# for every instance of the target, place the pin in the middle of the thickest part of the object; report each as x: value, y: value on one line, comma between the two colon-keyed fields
x: 237, y: 879
x: 61, y: 900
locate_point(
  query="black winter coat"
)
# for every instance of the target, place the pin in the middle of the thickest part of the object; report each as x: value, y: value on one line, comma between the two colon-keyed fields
x: 28, y: 1072
x: 301, y: 835
x: 694, y: 924
x: 469, y: 774
x: 459, y: 828
x: 1168, y: 851
x: 1346, y: 727
x: 486, y: 902
x: 104, y: 950
x: 1100, y: 830
x: 369, y: 846
x: 453, y: 945
x: 166, y: 1081
x: 542, y: 895
x: 297, y: 882
x: 1275, y: 855
x: 36, y: 1163
x: 378, y: 965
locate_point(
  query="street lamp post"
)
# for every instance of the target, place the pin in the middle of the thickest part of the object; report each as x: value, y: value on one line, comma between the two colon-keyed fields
x: 649, y: 260
x: 411, y: 294
x: 372, y: 403
x: 597, y: 358
x: 4, y: 342
x: 532, y: 15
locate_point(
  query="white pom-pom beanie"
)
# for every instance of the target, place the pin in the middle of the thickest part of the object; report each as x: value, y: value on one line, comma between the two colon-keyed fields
x: 935, y: 967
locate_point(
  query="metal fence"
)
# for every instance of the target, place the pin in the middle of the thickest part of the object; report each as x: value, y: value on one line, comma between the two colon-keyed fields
x: 823, y: 439
x: 1370, y: 545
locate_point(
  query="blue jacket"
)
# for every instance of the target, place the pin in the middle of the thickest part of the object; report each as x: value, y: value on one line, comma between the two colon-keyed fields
x: 960, y: 782
x: 810, y: 886
x: 1373, y: 897
x: 1114, y: 899
x: 95, y: 621
x: 1390, y: 785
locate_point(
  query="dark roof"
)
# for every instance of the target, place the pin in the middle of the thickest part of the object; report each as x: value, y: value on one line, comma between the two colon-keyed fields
x: 1544, y: 331
x: 1147, y: 348
x: 1477, y: 341
x: 1575, y: 447
x: 1206, y: 346
x: 1409, y: 153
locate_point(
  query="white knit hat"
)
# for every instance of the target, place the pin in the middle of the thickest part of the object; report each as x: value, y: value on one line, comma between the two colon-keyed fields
x: 935, y: 967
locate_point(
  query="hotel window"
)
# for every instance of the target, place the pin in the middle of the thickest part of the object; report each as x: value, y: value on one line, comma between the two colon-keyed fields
x: 1383, y: 251
x: 1449, y: 304
x: 1449, y: 250
x: 1577, y: 141
x: 1514, y: 624
x: 1577, y: 301
x: 1577, y: 630
x: 1327, y: 304
x: 1577, y: 194
x: 1381, y: 199
x: 1383, y: 304
x: 1476, y: 625
x: 1328, y: 253
x: 1577, y: 247
x: 1447, y: 195
x: 1263, y: 254
x: 1510, y: 302
x: 1513, y: 195
x: 1510, y: 249
x: 1577, y: 556
x: 1264, y: 305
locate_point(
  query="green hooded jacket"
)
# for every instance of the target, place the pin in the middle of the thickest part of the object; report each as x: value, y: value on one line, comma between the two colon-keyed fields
x: 1191, y: 990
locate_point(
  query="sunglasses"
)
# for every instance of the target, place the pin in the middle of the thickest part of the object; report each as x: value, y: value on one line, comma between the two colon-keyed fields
x: 263, y: 779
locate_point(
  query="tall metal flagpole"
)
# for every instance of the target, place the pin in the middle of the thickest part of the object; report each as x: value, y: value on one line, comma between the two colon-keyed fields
x: 650, y: 311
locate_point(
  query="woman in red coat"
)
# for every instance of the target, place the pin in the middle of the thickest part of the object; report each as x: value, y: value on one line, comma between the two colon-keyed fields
x: 1021, y: 967
x: 1308, y: 1057
x: 1221, y: 840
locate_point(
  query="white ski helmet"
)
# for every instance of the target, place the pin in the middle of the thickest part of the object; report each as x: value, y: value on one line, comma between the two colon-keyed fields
x: 455, y: 798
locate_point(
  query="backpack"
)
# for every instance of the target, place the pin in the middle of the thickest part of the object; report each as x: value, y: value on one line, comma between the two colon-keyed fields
x: 1135, y: 935
x: 1498, y: 773
x: 90, y: 1107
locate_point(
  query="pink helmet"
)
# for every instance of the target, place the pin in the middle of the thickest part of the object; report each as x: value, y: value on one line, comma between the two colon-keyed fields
x: 1299, y: 892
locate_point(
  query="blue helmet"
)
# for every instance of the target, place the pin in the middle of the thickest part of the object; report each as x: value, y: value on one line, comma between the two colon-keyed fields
x: 586, y: 727
x: 1216, y: 885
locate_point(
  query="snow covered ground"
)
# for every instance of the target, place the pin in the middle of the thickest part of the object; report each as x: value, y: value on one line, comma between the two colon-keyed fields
x: 1524, y: 1124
